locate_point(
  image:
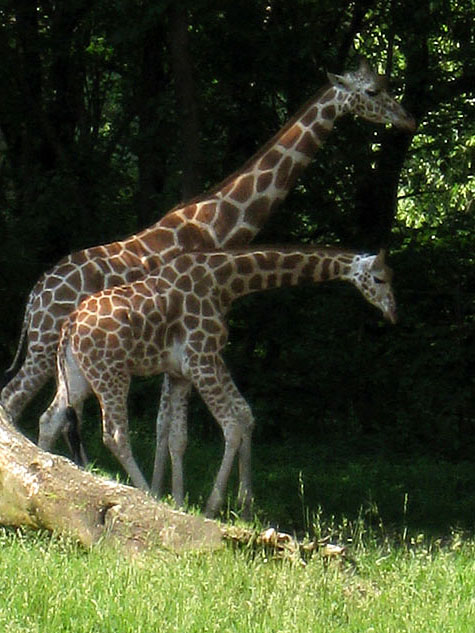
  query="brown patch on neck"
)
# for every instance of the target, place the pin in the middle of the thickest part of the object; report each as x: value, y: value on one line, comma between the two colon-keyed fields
x: 189, y: 211
x: 243, y: 189
x: 192, y: 237
x: 329, y: 112
x: 307, y: 144
x: 328, y: 95
x: 257, y: 212
x: 156, y: 240
x: 226, y: 219
x: 206, y: 212
x: 269, y: 160
x: 320, y: 131
x: 283, y: 173
x: 171, y: 221
x: 311, y: 115
x: 289, y: 139
x: 264, y: 181
x: 241, y: 237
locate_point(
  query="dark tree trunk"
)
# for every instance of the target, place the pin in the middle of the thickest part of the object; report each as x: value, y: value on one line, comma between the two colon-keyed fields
x: 150, y: 143
x: 377, y: 188
x: 186, y: 101
x: 376, y: 191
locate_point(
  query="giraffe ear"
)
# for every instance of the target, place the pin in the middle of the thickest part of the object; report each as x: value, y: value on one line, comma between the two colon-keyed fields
x: 339, y: 81
x: 364, y: 66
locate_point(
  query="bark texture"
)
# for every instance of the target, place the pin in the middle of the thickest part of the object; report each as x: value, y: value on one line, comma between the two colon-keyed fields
x: 44, y: 491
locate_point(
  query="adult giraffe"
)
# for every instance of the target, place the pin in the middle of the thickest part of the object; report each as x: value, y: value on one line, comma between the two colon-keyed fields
x: 229, y: 215
x: 175, y: 322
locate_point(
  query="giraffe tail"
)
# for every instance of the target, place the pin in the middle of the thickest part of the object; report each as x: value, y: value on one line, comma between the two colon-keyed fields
x: 74, y: 436
x: 10, y: 371
x: 72, y: 427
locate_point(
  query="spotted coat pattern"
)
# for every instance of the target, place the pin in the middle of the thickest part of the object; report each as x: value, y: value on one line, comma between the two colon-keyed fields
x: 228, y: 216
x: 175, y: 322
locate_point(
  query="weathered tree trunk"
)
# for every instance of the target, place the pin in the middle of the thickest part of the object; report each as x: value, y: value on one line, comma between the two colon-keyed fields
x: 44, y: 491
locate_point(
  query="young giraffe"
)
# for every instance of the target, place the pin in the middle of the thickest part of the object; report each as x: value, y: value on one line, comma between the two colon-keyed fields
x: 228, y: 216
x: 174, y: 322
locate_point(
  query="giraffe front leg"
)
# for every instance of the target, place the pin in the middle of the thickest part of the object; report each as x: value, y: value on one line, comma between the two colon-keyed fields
x: 117, y: 441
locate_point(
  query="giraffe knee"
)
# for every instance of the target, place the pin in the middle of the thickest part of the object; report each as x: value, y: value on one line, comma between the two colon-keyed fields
x: 110, y: 440
x: 163, y: 430
x: 233, y: 434
x: 118, y: 443
x: 245, y: 416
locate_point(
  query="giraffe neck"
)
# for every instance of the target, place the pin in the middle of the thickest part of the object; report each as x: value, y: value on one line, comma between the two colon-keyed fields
x: 236, y: 274
x: 233, y: 212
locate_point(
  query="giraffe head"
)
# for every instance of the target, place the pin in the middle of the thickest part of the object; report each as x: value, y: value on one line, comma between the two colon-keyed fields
x: 371, y: 275
x: 364, y: 93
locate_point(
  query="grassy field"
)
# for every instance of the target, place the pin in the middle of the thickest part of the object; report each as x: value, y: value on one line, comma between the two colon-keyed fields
x: 410, y: 565
x: 50, y: 586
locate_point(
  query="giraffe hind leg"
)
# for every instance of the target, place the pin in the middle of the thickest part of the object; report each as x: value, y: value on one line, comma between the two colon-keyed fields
x: 112, y: 395
x: 25, y: 384
x: 71, y: 391
x: 245, y: 485
x: 53, y: 421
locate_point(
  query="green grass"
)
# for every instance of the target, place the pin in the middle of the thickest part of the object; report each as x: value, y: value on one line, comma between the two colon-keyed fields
x: 406, y: 523
x: 52, y: 586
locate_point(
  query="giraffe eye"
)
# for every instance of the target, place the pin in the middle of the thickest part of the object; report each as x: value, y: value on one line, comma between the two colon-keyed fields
x: 371, y: 92
x: 378, y: 280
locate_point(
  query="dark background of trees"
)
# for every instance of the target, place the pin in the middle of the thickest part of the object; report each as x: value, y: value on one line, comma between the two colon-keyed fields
x: 112, y: 112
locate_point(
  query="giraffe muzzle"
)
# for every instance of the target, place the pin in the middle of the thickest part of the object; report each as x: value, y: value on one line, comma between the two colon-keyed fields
x: 407, y: 124
x: 391, y: 315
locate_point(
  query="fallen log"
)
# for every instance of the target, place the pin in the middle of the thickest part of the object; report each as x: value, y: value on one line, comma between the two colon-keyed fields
x: 40, y: 490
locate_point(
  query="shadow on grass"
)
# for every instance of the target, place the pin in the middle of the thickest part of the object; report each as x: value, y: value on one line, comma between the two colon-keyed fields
x: 298, y: 480
x: 294, y: 483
